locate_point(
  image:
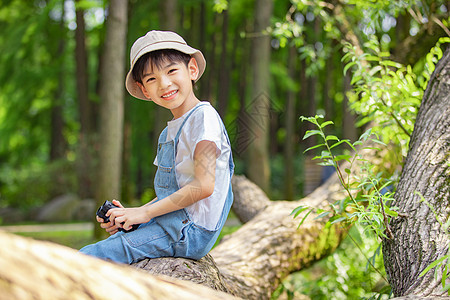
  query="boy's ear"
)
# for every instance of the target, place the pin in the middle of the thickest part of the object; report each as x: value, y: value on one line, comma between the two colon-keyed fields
x: 193, y: 69
x: 144, y: 91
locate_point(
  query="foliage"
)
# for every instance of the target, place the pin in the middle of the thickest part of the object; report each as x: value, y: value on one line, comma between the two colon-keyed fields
x: 348, y: 273
x: 367, y: 191
x: 36, y: 184
x: 370, y: 194
x: 387, y: 94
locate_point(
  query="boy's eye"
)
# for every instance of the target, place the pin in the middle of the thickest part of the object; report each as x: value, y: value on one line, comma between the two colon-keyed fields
x: 172, y: 70
x: 150, y: 79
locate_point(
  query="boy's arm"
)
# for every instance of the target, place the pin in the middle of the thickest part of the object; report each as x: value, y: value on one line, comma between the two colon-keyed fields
x: 201, y: 187
x: 148, y: 203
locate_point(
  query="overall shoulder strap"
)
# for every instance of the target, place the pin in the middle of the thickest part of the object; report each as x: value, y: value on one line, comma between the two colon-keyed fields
x: 163, y: 136
x: 187, y: 117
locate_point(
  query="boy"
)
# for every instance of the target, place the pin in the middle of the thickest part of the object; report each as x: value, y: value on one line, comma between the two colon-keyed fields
x: 195, y: 165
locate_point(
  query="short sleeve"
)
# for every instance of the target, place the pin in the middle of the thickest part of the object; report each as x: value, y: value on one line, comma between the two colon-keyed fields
x: 204, y: 125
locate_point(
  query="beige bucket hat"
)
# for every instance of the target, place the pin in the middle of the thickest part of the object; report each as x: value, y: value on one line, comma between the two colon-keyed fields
x: 157, y: 40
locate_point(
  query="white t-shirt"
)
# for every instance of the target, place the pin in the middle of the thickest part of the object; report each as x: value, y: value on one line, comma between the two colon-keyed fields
x: 203, y: 124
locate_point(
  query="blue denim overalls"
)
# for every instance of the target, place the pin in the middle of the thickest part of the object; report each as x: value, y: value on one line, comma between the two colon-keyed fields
x: 173, y: 234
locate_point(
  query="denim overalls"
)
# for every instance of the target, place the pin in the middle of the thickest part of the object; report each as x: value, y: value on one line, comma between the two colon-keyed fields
x: 173, y: 234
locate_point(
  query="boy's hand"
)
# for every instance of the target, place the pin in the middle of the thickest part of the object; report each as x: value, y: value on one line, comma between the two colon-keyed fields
x: 110, y: 227
x: 126, y: 217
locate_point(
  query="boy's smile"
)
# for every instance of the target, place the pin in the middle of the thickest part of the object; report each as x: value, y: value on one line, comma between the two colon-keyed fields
x: 171, y: 85
x: 170, y: 95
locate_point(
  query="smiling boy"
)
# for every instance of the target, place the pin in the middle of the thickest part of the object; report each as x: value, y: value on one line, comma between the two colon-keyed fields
x: 195, y: 165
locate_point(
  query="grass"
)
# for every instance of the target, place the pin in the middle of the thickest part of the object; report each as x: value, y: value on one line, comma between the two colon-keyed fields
x: 78, y: 239
x: 72, y: 239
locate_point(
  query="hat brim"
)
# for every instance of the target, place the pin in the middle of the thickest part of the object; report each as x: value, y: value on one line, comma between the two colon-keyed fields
x: 132, y: 86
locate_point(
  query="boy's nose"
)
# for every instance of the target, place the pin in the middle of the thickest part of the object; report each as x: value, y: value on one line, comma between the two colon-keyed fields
x: 165, y: 82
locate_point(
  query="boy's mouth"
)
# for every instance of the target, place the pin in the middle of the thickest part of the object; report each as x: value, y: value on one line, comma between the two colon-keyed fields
x: 169, y: 95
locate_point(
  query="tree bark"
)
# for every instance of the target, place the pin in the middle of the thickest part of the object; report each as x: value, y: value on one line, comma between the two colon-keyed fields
x: 258, y: 150
x: 84, y: 159
x: 41, y: 270
x: 290, y: 124
x: 58, y: 144
x: 419, y: 239
x: 111, y: 110
x: 224, y: 74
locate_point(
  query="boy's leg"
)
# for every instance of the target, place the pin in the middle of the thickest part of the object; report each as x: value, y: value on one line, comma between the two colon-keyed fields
x: 148, y: 241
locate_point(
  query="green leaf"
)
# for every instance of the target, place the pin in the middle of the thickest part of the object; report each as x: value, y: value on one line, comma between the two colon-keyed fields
x: 378, y: 142
x: 341, y: 142
x: 338, y: 220
x: 390, y: 212
x: 343, y: 157
x: 309, y: 119
x: 433, y: 264
x: 322, y: 215
x: 390, y: 64
x: 326, y: 163
x: 326, y: 124
x: 348, y: 66
x: 331, y: 138
x: 304, y: 218
x: 372, y: 58
x: 311, y: 133
x: 325, y: 154
x: 365, y: 135
x: 299, y: 210
x: 356, y: 79
x: 313, y: 147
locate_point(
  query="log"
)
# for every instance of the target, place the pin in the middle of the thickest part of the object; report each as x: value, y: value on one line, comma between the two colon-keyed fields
x: 37, y: 270
x: 251, y: 262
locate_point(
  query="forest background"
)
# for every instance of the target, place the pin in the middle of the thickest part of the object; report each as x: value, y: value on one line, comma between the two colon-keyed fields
x: 268, y: 63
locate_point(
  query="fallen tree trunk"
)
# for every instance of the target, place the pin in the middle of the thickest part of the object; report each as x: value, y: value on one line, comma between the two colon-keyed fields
x: 251, y: 262
x: 39, y: 270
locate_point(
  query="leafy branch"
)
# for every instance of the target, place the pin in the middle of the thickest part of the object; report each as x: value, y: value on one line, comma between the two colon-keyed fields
x: 368, y: 194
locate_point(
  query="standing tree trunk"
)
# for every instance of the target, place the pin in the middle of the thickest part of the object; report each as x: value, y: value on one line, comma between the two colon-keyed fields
x: 58, y: 143
x: 328, y: 102
x: 258, y: 150
x: 111, y: 109
x: 289, y: 144
x: 224, y: 74
x: 419, y: 238
x: 84, y: 159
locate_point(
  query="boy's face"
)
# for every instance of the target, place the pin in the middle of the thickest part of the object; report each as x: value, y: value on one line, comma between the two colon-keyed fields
x: 171, y: 85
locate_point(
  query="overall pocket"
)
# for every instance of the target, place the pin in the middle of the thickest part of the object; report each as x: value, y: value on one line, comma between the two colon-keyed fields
x: 163, y: 176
